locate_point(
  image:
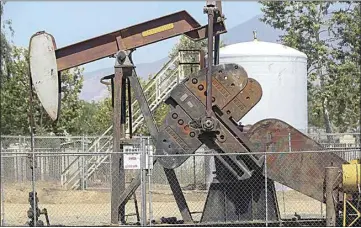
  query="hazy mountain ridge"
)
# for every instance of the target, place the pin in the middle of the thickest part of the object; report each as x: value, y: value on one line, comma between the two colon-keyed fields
x: 94, y: 90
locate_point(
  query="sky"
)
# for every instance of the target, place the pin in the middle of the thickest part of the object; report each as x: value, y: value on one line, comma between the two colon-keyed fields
x: 73, y: 21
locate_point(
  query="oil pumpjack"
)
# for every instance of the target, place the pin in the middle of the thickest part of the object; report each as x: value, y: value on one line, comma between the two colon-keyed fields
x: 204, y: 109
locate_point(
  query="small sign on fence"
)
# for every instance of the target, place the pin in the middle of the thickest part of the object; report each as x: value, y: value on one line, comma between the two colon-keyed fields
x: 132, y: 161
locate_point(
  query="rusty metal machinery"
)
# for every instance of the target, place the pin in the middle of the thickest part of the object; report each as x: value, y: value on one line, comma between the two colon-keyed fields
x: 351, y: 178
x: 204, y: 109
x: 351, y: 188
x: 34, y: 217
x: 47, y: 62
x: 343, y: 195
x: 239, y: 179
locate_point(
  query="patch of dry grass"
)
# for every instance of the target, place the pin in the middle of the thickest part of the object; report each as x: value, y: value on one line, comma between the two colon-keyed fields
x: 92, y: 208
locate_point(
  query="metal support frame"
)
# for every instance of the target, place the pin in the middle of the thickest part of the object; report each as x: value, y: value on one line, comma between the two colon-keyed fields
x: 121, y: 43
x: 143, y: 174
x: 153, y: 129
x: 330, y: 178
x: 356, y: 210
x: 209, y: 9
x: 31, y: 155
x: 122, y: 69
x: 130, y: 117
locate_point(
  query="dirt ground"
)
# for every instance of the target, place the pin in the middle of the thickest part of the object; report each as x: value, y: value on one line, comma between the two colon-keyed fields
x: 92, y: 207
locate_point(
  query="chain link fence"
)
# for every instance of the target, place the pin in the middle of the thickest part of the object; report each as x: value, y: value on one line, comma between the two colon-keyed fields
x: 73, y: 182
x: 258, y: 200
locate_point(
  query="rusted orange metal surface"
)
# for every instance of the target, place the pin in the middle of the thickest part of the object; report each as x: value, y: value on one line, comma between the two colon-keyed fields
x: 133, y: 37
x: 303, y: 171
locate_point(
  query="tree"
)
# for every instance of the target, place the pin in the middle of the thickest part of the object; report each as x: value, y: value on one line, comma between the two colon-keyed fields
x: 103, y: 117
x: 86, y: 123
x: 14, y: 94
x: 71, y: 107
x: 15, y: 99
x: 306, y: 28
x: 345, y: 70
x: 5, y: 48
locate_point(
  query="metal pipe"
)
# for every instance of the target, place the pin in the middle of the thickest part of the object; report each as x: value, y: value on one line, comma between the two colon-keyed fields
x: 266, y: 186
x: 2, y: 193
x: 32, y: 156
x: 82, y: 162
x: 210, y: 12
x: 130, y: 117
x: 194, y: 172
x: 143, y: 183
x: 216, y: 49
x: 150, y: 183
x: 217, y: 37
x: 330, y: 178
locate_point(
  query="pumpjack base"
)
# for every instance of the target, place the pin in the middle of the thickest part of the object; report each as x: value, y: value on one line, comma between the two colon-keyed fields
x: 241, y: 201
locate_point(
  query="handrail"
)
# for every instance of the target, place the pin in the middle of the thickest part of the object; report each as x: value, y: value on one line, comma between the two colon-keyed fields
x: 154, y: 94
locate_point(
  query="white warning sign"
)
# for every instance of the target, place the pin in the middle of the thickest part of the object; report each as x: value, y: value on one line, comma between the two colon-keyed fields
x: 132, y: 160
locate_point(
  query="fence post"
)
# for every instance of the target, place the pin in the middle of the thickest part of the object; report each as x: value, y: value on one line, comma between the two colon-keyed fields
x: 15, y: 164
x: 194, y: 172
x: 330, y: 177
x: 19, y: 165
x: 41, y: 161
x: 266, y: 186
x: 2, y: 194
x: 150, y: 165
x: 143, y: 220
x: 82, y: 164
x: 86, y: 163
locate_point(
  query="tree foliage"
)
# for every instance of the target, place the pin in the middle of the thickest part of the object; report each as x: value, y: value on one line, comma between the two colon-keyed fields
x: 15, y: 100
x: 5, y: 48
x: 15, y: 91
x: 327, y: 33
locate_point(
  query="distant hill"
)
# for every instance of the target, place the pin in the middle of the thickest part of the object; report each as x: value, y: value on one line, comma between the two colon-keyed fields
x: 244, y: 32
x: 94, y: 90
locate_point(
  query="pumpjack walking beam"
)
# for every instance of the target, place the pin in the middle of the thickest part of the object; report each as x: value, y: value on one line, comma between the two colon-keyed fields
x: 47, y: 61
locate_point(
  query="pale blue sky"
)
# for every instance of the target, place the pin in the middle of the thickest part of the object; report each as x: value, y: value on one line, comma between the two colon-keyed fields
x: 74, y: 21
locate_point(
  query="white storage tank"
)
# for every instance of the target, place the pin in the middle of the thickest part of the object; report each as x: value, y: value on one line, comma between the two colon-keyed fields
x: 282, y: 73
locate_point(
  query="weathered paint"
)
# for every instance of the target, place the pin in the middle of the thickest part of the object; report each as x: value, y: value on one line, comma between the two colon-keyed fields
x: 44, y: 72
x: 303, y: 172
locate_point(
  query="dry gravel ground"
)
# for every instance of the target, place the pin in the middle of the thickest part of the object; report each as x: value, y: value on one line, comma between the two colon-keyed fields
x: 92, y: 207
